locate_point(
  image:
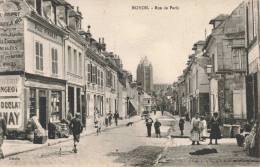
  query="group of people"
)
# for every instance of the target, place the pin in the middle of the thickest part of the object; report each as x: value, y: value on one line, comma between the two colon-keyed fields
x: 198, y: 129
x: 149, y: 124
x: 108, y: 119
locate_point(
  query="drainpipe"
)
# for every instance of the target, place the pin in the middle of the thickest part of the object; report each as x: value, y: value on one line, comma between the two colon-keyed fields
x: 64, y: 66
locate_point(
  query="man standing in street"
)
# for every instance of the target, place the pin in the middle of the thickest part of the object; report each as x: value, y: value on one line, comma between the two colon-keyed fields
x: 76, y: 127
x: 110, y: 118
x: 116, y: 116
x: 2, y: 135
x: 149, y: 123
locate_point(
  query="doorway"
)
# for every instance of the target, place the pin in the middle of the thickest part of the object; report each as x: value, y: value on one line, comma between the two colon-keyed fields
x: 42, y: 108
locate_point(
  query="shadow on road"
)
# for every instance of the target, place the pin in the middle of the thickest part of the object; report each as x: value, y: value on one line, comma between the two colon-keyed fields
x: 141, y: 156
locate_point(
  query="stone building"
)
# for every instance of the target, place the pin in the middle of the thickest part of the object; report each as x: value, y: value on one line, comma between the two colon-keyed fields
x: 226, y: 49
x: 144, y: 75
x: 196, y: 82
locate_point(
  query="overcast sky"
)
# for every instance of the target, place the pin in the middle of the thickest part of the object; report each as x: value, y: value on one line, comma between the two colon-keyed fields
x: 166, y: 37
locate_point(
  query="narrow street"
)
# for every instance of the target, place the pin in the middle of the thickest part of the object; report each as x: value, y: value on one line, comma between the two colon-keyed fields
x: 116, y: 147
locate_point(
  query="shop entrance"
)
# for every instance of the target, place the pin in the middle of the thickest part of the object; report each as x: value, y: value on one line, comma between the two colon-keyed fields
x: 71, y: 100
x: 42, y: 108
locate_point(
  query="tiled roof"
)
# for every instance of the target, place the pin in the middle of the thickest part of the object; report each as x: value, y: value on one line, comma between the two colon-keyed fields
x: 220, y: 17
x: 73, y: 13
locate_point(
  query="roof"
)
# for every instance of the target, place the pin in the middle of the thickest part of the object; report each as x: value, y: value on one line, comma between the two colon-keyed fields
x: 146, y: 96
x: 200, y: 42
x: 220, y: 17
x: 73, y: 13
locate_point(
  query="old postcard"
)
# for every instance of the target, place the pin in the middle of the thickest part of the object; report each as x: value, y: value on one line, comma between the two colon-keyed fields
x: 112, y: 83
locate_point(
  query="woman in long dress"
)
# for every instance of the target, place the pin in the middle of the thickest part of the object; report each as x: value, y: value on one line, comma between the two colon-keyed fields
x: 195, y: 130
x: 215, y: 128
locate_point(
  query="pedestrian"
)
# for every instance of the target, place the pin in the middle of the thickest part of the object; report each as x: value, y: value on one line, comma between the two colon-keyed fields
x: 110, y: 118
x: 2, y: 135
x: 149, y: 123
x: 154, y: 111
x: 106, y: 119
x: 215, y: 123
x: 181, y: 125
x: 195, y: 131
x: 95, y: 114
x: 187, y: 116
x: 98, y: 125
x: 204, y: 129
x: 157, y: 125
x: 77, y: 128
x: 116, y: 116
x: 162, y: 112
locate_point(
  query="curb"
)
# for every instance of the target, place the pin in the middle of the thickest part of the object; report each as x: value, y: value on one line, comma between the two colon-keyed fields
x: 63, y: 141
x: 165, y: 150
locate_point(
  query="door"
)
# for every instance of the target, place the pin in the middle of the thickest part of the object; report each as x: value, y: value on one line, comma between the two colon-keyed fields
x: 42, y: 111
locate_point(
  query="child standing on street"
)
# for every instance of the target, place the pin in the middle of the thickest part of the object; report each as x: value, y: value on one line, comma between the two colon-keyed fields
x: 181, y: 124
x: 203, y: 133
x: 157, y: 125
x: 98, y: 125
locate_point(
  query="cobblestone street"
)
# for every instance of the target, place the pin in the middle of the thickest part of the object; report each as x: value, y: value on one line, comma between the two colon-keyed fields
x: 92, y: 150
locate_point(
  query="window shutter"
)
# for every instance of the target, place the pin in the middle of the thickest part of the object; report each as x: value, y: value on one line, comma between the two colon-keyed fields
x: 96, y: 74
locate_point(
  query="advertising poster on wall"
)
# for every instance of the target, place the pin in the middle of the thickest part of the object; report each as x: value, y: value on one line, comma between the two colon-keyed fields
x: 12, y: 35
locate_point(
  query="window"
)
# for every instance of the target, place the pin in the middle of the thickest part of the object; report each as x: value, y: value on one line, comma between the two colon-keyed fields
x: 102, y: 79
x: 32, y: 103
x: 96, y: 74
x: 39, y: 56
x: 39, y: 6
x: 54, y: 56
x: 93, y: 74
x: 55, y: 106
x: 89, y: 73
x: 80, y: 64
x: 239, y: 59
x: 69, y: 59
x: 98, y: 77
x: 36, y: 4
x: 75, y: 62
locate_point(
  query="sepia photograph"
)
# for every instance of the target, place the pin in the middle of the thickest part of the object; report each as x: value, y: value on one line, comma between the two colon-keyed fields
x: 132, y: 83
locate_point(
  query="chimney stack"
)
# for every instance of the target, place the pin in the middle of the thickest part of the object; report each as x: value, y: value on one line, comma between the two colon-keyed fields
x: 102, y: 40
x: 99, y: 40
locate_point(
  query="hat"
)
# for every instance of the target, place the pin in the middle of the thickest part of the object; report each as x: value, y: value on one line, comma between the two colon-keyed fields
x: 215, y: 113
x: 77, y: 114
x: 202, y: 117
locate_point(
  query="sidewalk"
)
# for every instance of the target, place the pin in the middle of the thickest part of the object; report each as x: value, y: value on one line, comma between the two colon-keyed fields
x: 13, y: 147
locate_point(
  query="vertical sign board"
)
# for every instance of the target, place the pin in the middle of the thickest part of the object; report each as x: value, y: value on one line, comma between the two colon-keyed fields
x: 12, y: 34
x: 10, y: 103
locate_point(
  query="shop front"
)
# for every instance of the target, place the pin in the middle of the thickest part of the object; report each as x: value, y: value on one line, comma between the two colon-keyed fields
x: 45, y: 99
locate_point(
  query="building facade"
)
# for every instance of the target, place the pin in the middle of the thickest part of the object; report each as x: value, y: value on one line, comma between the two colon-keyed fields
x: 51, y: 68
x: 226, y: 50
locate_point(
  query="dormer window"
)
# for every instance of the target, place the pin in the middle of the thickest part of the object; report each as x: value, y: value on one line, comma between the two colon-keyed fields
x: 49, y: 11
x: 61, y: 14
x: 75, y: 20
x: 36, y: 5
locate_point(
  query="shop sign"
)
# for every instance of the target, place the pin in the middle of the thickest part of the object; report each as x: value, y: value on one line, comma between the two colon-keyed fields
x: 11, y: 111
x: 10, y: 85
x: 46, y: 32
x: 12, y: 34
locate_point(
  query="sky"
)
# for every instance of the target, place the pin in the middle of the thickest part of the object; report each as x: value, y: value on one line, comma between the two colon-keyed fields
x: 166, y: 37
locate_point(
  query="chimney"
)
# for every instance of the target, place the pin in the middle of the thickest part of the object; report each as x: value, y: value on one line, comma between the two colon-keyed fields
x: 103, y: 40
x: 99, y: 40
